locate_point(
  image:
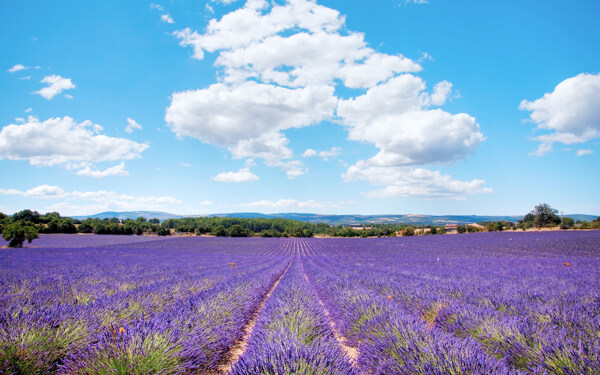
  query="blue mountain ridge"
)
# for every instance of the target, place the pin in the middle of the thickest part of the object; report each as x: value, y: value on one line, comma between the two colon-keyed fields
x: 355, y: 220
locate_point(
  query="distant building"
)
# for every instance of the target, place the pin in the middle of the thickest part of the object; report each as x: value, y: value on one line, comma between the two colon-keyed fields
x: 451, y: 228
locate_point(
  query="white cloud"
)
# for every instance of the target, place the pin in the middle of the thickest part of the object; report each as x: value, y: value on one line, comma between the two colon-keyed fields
x: 279, y: 65
x: 395, y: 117
x: 16, y: 68
x: 425, y: 57
x: 205, y: 203
x: 248, y: 118
x: 156, y: 6
x: 407, y: 2
x: 167, y: 18
x: 28, y: 110
x: 77, y: 202
x: 584, y: 152
x: 441, y: 92
x: 295, y: 73
x: 56, y: 85
x: 25, y: 78
x: 132, y: 125
x: 117, y: 170
x: 224, y: 115
x: 42, y: 192
x: 61, y: 141
x: 335, y: 151
x: 405, y: 182
x: 252, y: 23
x: 186, y: 165
x: 571, y: 113
x: 309, y: 152
x: 243, y: 175
x: 317, y: 58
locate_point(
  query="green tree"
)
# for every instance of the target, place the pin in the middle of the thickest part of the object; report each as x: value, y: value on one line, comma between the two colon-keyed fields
x: 239, y: 231
x: 567, y: 223
x: 544, y: 215
x: 85, y: 227
x: 220, y: 231
x: 16, y: 233
x: 27, y: 215
x: 407, y: 231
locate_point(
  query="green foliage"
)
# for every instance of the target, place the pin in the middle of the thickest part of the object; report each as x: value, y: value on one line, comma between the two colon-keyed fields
x: 59, y: 225
x: 461, y: 229
x: 541, y: 216
x: 263, y: 227
x: 567, y: 223
x: 239, y: 231
x: 115, y: 226
x: 474, y: 229
x: 27, y: 215
x: 408, y: 231
x: 16, y: 233
x: 220, y: 231
x: 85, y: 227
x: 269, y: 233
x: 39, y: 350
x: 545, y: 215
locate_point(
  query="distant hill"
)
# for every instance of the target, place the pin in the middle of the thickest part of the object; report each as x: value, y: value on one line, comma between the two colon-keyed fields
x: 359, y: 220
x: 356, y: 220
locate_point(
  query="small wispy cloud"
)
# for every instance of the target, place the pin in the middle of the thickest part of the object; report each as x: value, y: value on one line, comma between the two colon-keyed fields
x: 117, y: 170
x: 243, y: 175
x: 167, y: 18
x: 325, y: 155
x: 132, y: 125
x: 16, y: 68
x: 56, y: 85
x: 584, y: 152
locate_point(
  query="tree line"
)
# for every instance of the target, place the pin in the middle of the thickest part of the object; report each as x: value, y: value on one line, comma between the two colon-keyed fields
x: 26, y: 225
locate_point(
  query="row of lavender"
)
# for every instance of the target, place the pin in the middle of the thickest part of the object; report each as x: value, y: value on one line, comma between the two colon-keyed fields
x: 479, y: 304
x: 169, y: 307
x: 293, y: 335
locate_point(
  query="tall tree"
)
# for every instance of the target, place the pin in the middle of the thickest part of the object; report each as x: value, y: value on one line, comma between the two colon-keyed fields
x: 16, y: 233
x: 544, y: 215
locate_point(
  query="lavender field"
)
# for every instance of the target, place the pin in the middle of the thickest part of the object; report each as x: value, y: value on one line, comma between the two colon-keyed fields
x: 488, y: 303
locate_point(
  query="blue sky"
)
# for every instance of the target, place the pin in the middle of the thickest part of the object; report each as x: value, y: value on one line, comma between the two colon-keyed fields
x: 396, y: 107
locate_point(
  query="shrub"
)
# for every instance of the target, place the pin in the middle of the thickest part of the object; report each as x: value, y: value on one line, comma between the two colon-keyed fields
x: 17, y: 233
